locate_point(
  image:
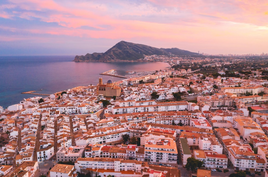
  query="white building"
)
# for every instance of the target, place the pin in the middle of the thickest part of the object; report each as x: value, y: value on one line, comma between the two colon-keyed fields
x: 210, y: 143
x: 150, y: 107
x: 15, y: 107
x: 5, y: 169
x: 243, y: 158
x: 45, y: 153
x: 107, y: 135
x: 211, y: 159
x: 110, y: 166
x: 162, y: 150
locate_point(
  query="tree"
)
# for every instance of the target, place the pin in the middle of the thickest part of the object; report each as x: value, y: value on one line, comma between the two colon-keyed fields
x: 191, y: 83
x: 154, y: 95
x: 225, y: 170
x: 125, y: 138
x: 191, y: 90
x: 138, y: 141
x: 177, y: 96
x: 261, y: 93
x: 141, y: 82
x: 41, y: 100
x: 255, y: 150
x: 105, y: 103
x: 43, y: 127
x: 238, y: 174
x: 248, y: 93
x: 63, y: 93
x: 133, y: 140
x: 114, y: 97
x: 193, y: 164
x: 250, y: 110
x: 66, y: 162
x: 215, y: 87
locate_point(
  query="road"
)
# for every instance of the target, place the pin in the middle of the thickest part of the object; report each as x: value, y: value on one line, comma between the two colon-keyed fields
x: 72, y: 130
x: 184, y: 171
x: 55, y: 135
x: 37, y: 140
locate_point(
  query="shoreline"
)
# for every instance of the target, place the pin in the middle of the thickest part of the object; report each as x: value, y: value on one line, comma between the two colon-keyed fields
x: 16, y: 97
x: 118, y: 61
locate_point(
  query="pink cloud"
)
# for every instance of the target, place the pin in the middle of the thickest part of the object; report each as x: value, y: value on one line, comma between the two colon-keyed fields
x: 3, y: 15
x: 196, y: 21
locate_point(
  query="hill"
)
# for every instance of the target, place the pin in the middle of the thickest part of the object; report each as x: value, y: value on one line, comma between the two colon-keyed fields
x: 127, y: 51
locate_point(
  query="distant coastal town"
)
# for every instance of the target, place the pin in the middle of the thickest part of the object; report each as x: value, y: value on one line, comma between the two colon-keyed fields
x: 199, y: 117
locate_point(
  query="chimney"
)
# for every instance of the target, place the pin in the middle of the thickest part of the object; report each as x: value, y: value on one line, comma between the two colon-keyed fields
x: 100, y: 81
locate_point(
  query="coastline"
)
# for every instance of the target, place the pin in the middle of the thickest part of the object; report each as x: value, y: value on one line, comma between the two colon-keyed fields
x: 53, y: 74
x: 114, y: 61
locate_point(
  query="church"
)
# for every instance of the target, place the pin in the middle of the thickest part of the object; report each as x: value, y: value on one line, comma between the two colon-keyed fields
x: 109, y: 89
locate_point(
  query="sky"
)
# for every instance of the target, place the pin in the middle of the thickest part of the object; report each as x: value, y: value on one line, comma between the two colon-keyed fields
x: 77, y: 27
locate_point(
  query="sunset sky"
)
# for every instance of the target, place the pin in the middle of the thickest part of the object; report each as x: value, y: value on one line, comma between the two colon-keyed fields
x: 55, y: 27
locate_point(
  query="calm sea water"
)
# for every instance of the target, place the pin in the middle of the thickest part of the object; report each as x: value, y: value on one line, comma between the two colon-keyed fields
x: 49, y: 74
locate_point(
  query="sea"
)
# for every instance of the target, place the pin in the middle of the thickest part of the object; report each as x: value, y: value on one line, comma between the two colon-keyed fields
x: 50, y: 74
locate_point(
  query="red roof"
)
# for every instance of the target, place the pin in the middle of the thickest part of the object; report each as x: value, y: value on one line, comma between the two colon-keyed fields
x: 257, y: 108
x: 105, y: 149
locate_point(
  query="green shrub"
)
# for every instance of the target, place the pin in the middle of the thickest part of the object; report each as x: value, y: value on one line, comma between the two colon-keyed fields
x: 225, y: 170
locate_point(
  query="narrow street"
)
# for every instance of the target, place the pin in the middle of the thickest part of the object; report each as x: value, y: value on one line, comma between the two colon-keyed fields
x: 85, y: 120
x: 72, y: 130
x: 55, y: 135
x: 37, y: 142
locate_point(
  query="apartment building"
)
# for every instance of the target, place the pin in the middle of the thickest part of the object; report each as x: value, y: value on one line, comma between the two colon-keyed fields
x: 263, y: 152
x: 180, y: 129
x: 210, y: 143
x: 110, y: 166
x: 45, y: 152
x: 211, y: 159
x: 243, y: 158
x: 154, y: 107
x: 242, y: 90
x: 227, y: 133
x: 161, y: 150
x: 107, y: 135
x: 201, y: 123
x: 246, y: 126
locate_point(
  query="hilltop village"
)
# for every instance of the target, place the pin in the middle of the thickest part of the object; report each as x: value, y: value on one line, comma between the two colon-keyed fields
x: 171, y: 123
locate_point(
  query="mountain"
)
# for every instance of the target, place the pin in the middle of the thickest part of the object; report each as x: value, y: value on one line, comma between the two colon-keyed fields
x: 179, y: 52
x: 127, y: 51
